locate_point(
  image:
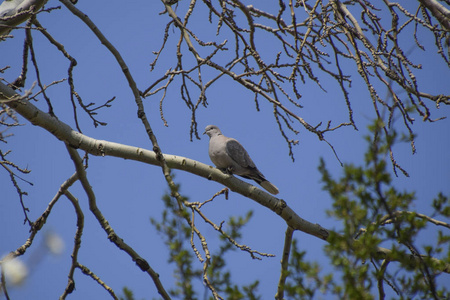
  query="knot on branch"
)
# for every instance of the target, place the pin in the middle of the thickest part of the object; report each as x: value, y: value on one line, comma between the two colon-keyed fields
x: 37, y: 225
x: 101, y: 149
x: 70, y: 286
x: 280, y: 206
x: 113, y: 237
x: 142, y: 264
x: 158, y: 153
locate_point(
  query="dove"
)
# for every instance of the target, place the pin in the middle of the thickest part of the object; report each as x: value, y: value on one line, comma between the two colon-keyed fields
x: 230, y: 156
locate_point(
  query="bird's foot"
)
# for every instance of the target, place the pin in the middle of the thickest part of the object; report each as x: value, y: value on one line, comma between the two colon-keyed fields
x: 228, y: 171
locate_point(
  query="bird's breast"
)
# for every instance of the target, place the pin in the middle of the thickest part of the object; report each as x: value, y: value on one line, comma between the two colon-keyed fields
x: 218, y: 155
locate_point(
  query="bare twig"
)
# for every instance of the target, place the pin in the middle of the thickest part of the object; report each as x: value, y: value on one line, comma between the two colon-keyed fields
x: 37, y: 225
x: 8, y: 166
x: 3, y: 283
x: 91, y: 274
x: 80, y: 225
x: 195, y: 207
x: 29, y: 41
x: 284, y: 263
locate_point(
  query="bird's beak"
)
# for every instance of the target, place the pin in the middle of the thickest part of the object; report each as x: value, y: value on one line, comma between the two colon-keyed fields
x: 204, y: 132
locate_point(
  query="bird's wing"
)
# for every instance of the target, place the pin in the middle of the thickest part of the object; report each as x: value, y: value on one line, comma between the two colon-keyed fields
x: 238, y: 153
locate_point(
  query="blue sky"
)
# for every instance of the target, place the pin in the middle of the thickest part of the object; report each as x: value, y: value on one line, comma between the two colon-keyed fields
x: 129, y: 193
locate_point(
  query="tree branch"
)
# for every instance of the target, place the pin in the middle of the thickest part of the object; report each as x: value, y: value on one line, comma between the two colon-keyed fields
x: 89, y: 273
x: 284, y: 263
x: 441, y: 13
x: 112, y: 236
x: 80, y: 225
x: 13, y: 13
x: 37, y: 225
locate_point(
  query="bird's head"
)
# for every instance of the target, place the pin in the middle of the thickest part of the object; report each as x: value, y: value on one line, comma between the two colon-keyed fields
x: 212, y: 130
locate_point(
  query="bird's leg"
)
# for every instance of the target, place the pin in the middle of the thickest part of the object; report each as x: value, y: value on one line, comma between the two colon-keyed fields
x: 229, y: 170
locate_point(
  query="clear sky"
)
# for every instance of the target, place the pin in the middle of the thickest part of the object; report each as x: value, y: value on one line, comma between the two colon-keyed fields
x: 129, y: 193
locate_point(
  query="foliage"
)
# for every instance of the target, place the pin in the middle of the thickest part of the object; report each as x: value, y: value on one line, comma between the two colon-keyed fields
x: 374, y: 213
x: 127, y: 294
x: 304, y: 280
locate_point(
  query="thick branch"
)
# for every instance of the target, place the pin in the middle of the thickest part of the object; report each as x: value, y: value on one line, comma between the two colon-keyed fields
x: 439, y: 11
x: 75, y: 139
x: 13, y: 13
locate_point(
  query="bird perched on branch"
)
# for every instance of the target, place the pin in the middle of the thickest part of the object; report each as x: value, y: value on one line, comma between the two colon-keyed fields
x: 229, y: 156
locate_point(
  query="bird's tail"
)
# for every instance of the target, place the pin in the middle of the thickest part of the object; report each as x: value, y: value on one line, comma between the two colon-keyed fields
x: 268, y: 186
x: 257, y: 176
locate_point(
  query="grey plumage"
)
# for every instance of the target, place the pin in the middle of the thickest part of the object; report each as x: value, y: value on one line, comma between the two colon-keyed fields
x: 230, y: 156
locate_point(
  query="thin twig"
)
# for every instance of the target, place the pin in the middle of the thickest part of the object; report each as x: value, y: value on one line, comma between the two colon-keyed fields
x: 77, y: 243
x: 284, y: 263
